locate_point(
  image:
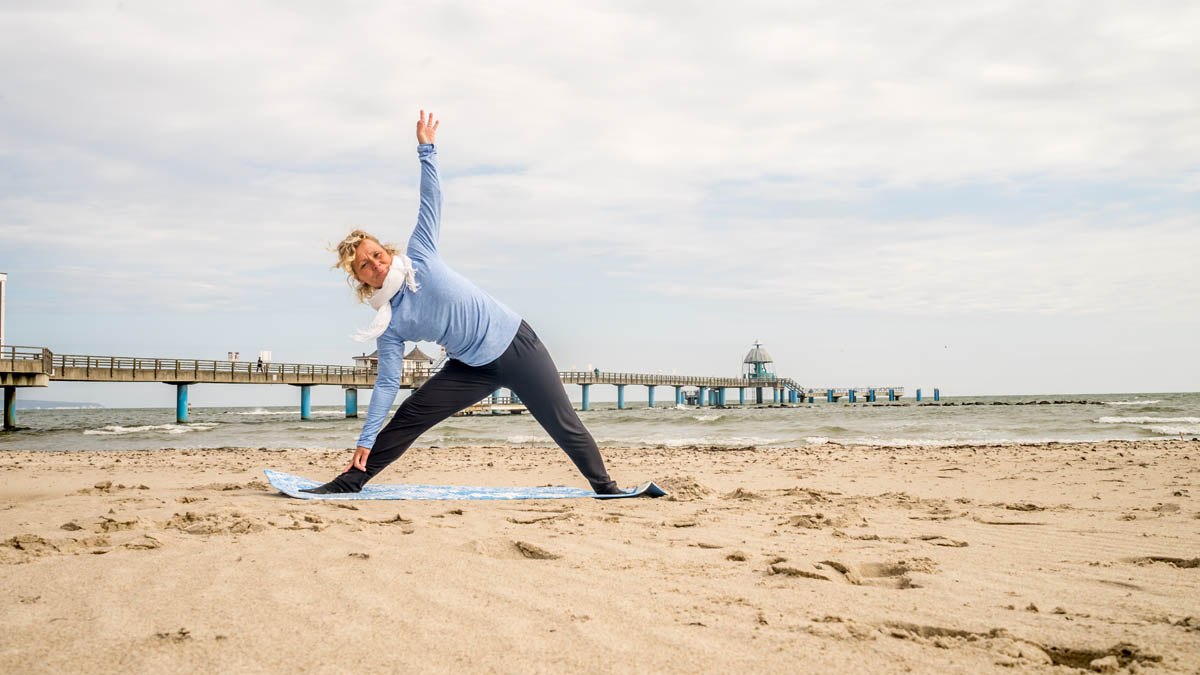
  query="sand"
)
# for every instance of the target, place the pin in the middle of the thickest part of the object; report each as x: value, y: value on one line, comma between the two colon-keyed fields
x: 830, y: 558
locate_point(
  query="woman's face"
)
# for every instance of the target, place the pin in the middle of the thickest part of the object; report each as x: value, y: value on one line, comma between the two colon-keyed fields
x: 371, y: 263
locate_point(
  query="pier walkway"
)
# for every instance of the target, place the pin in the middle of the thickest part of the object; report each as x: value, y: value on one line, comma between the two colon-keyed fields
x: 38, y: 366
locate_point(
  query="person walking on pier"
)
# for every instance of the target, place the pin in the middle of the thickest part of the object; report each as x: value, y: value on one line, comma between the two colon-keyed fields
x: 417, y: 297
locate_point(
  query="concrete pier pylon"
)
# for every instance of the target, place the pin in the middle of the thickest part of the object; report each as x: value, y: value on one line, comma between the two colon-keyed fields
x: 10, y: 408
x: 181, y: 404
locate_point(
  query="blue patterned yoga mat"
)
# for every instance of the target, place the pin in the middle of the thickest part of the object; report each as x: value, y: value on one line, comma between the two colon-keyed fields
x: 291, y: 485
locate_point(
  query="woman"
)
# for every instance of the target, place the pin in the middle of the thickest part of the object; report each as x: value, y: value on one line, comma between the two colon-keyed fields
x: 419, y: 298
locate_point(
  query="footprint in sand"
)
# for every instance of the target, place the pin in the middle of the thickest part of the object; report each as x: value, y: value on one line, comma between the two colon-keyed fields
x: 534, y: 552
x: 684, y: 489
x: 883, y: 575
x: 840, y: 518
x: 233, y: 522
x: 742, y: 494
x: 1182, y: 563
x: 226, y: 487
x: 508, y: 549
x: 939, y: 540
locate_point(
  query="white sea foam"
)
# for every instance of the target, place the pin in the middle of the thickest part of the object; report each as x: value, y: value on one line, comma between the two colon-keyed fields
x: 816, y: 440
x: 1175, y: 430
x: 1149, y: 402
x: 944, y: 442
x: 720, y: 442
x: 518, y: 440
x: 117, y: 430
x: 1148, y: 420
x: 706, y: 418
x: 296, y: 412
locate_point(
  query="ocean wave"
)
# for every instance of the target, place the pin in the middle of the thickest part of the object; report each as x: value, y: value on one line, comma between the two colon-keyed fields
x: 1132, y: 402
x: 707, y: 418
x: 719, y: 442
x: 117, y: 430
x: 260, y: 411
x: 1175, y: 430
x: 816, y: 440
x: 521, y: 440
x: 1148, y: 420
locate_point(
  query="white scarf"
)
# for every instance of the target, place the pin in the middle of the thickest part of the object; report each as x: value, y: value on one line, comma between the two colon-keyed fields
x: 400, y: 275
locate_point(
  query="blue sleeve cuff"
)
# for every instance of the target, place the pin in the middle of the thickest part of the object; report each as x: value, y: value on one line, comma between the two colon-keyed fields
x: 426, y: 149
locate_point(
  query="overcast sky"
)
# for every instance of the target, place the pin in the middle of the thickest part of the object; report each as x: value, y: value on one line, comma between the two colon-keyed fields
x: 988, y: 197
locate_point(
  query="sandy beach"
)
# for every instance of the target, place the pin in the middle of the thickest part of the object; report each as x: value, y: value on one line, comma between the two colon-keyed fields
x: 828, y: 558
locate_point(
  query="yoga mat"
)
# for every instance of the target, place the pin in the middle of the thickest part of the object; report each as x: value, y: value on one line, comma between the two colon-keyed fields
x: 291, y: 485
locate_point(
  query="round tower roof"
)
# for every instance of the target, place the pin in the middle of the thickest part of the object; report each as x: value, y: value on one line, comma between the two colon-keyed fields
x: 758, y: 355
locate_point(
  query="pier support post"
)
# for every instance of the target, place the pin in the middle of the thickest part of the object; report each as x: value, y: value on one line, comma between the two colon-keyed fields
x: 721, y: 396
x: 351, y: 402
x: 650, y: 395
x: 306, y: 402
x: 918, y: 395
x: 829, y: 396
x: 891, y: 394
x: 791, y: 395
x: 871, y: 395
x: 10, y: 408
x: 758, y: 395
x: 937, y: 394
x: 700, y: 396
x: 181, y: 404
x: 620, y: 397
x: 678, y: 395
x: 774, y: 396
x: 853, y: 395
x: 741, y: 396
x: 586, y: 387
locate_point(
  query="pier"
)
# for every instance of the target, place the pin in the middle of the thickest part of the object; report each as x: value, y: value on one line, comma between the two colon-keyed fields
x: 38, y: 366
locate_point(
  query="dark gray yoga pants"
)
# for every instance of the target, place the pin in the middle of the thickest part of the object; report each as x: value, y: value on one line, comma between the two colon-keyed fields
x: 527, y: 369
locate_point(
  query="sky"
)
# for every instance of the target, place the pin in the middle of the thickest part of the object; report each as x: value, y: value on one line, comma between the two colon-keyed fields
x: 986, y: 197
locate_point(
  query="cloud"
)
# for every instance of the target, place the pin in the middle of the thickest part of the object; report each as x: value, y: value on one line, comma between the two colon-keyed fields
x: 216, y: 149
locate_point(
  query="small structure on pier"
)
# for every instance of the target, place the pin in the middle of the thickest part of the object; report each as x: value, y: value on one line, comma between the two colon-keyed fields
x: 415, y: 361
x: 758, y: 364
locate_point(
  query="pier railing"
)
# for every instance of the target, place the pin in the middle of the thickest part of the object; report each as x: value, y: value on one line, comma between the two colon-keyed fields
x: 89, y: 368
x: 113, y: 363
x: 25, y: 359
x: 602, y: 377
x: 24, y: 367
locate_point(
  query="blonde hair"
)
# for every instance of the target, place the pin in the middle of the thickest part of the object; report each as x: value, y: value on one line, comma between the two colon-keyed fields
x: 345, y: 252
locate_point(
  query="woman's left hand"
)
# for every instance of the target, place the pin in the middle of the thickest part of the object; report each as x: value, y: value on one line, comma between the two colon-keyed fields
x: 426, y: 129
x: 359, y: 460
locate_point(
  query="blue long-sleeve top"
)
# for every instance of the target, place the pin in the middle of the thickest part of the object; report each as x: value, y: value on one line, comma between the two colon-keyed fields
x: 447, y: 309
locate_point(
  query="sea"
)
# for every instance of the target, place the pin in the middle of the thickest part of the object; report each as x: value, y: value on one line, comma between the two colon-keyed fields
x: 952, y: 421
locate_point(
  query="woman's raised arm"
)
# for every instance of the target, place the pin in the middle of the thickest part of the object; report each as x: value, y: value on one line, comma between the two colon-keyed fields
x: 424, y: 240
